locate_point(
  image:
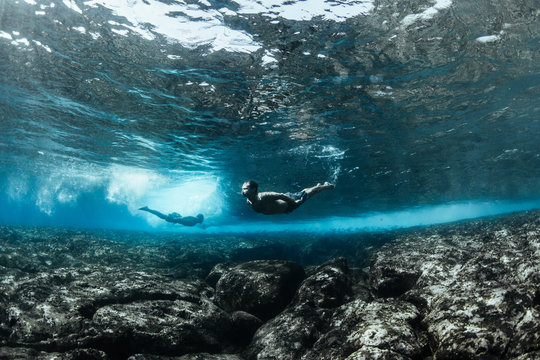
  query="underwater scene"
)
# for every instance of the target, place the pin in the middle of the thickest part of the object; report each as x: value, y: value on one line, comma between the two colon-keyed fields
x: 269, y: 179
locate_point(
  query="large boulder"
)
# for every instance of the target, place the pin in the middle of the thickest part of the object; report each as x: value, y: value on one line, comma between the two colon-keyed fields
x: 262, y: 287
x: 287, y: 336
x: 327, y: 286
x: 294, y: 331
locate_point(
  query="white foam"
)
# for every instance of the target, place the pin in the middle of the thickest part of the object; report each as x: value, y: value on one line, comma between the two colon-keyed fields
x: 5, y: 35
x: 65, y: 185
x: 488, y: 38
x: 330, y: 151
x: 336, y: 170
x: 427, y: 14
x: 127, y: 184
x: 80, y: 29
x: 182, y: 192
x: 72, y: 5
x: 196, y: 27
x: 268, y: 59
x: 120, y: 32
x: 22, y: 41
x: 17, y: 188
x: 189, y: 197
x: 319, y: 151
x: 193, y: 26
x: 48, y: 49
x: 299, y: 11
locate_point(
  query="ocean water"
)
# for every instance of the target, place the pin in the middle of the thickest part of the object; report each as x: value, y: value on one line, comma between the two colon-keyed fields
x: 420, y: 112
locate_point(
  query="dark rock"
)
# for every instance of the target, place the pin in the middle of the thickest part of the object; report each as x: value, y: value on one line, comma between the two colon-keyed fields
x: 379, y: 329
x: 327, y: 287
x: 287, y: 336
x: 375, y: 353
x: 20, y: 353
x: 84, y: 354
x: 34, y: 249
x: 262, y: 288
x: 526, y: 337
x: 534, y: 355
x: 360, y: 286
x: 245, y: 326
x: 294, y: 331
x: 215, y: 274
x: 368, y: 330
x: 476, y: 288
x: 198, y: 356
x: 273, y: 251
x: 159, y: 327
x: 118, y: 313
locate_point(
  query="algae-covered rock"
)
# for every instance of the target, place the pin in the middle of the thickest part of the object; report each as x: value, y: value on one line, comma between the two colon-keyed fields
x: 475, y: 285
x: 262, y: 287
x: 119, y: 313
x: 327, y: 286
x: 287, y: 336
x: 385, y: 327
x: 197, y: 356
x: 294, y: 331
x: 22, y: 353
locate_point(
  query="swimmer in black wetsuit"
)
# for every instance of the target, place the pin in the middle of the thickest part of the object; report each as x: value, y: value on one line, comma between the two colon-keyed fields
x: 176, y: 218
x: 271, y: 203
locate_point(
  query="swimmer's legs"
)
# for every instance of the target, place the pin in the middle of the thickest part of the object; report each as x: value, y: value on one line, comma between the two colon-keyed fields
x: 317, y: 189
x: 155, y: 212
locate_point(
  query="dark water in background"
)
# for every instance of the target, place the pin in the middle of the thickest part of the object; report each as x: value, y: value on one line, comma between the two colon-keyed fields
x: 419, y: 111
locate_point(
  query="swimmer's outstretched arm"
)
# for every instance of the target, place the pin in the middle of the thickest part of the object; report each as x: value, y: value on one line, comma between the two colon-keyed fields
x: 155, y: 212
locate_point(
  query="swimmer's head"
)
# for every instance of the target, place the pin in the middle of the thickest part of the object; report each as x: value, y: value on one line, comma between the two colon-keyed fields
x: 249, y: 188
x: 200, y: 217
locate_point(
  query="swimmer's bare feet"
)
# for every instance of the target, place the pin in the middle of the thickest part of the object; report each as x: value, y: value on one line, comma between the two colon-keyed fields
x: 318, y: 188
x: 328, y: 185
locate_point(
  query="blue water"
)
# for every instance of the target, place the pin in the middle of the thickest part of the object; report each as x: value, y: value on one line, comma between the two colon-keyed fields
x: 420, y: 112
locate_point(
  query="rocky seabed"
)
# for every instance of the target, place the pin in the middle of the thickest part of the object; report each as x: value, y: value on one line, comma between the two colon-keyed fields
x: 469, y: 290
